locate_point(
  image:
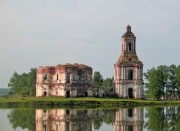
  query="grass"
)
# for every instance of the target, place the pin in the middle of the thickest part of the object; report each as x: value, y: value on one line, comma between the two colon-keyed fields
x: 48, y: 102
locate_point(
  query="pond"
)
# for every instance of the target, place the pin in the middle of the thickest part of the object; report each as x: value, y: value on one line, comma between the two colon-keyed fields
x: 122, y: 119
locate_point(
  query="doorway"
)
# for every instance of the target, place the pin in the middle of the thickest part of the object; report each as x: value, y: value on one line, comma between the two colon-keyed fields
x: 68, y: 94
x: 45, y: 93
x: 130, y: 128
x: 86, y: 94
x: 130, y: 93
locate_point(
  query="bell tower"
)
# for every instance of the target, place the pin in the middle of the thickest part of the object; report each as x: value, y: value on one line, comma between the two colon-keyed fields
x: 128, y: 70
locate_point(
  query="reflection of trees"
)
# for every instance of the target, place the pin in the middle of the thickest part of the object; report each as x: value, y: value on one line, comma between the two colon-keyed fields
x: 156, y: 119
x: 97, y: 123
x: 108, y: 118
x: 173, y: 118
x: 24, y: 118
x: 163, y: 118
x: 96, y: 120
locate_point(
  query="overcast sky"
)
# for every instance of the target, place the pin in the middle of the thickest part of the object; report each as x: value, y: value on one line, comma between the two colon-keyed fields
x: 37, y: 33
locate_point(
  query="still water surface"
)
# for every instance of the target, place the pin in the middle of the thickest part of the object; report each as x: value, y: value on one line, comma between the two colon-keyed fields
x: 122, y: 119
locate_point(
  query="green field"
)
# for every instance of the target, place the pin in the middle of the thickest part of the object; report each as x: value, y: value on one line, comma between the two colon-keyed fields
x: 49, y: 102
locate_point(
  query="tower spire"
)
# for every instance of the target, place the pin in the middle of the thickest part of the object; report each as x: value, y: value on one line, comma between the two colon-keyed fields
x: 128, y: 28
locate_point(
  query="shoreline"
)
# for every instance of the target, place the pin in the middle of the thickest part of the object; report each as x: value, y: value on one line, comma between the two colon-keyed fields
x: 85, y: 102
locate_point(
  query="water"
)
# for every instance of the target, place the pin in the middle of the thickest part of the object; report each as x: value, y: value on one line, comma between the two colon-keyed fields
x: 122, y: 119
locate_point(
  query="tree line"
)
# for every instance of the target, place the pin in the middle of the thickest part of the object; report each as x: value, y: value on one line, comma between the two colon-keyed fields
x: 23, y: 84
x: 106, y: 84
x: 163, y: 82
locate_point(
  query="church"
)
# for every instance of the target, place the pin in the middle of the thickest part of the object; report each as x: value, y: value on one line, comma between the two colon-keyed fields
x: 128, y: 70
x: 64, y: 80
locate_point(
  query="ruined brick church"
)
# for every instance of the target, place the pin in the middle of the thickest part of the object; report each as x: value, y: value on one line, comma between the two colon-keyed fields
x: 66, y: 80
x: 74, y: 80
x: 128, y: 70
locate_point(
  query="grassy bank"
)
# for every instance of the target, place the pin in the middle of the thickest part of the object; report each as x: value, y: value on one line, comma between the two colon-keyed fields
x: 49, y: 102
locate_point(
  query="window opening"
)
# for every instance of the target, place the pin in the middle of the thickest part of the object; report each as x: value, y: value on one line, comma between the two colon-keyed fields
x: 68, y: 78
x: 129, y: 47
x: 57, y: 77
x: 45, y: 77
x: 130, y: 74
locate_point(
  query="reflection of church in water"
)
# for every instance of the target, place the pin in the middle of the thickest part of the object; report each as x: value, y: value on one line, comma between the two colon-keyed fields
x: 129, y: 119
x: 66, y: 120
x: 81, y: 120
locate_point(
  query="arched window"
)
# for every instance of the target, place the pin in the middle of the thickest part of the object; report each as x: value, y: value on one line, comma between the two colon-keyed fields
x: 45, y: 76
x: 68, y: 78
x: 130, y: 74
x: 129, y: 47
x: 57, y: 77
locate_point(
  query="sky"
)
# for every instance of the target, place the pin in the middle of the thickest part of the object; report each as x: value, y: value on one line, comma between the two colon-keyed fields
x: 37, y: 33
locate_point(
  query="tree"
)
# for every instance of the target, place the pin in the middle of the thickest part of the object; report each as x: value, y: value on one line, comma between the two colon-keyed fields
x: 163, y: 81
x: 178, y: 80
x: 162, y: 78
x: 97, y: 79
x: 152, y: 86
x: 31, y: 82
x: 157, y: 80
x: 173, y: 89
x: 108, y: 85
x: 14, y: 83
x: 23, y: 84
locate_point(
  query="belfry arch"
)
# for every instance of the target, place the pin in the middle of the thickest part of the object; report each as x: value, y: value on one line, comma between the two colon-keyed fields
x: 129, y: 46
x: 130, y: 74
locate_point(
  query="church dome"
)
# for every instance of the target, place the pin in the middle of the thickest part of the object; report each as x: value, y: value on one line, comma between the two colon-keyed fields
x: 128, y: 32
